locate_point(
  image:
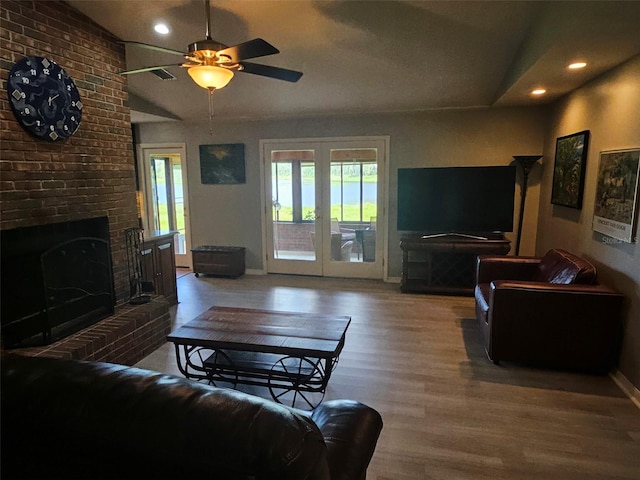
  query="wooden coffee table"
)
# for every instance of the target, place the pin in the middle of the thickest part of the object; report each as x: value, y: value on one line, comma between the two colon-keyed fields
x: 291, y: 354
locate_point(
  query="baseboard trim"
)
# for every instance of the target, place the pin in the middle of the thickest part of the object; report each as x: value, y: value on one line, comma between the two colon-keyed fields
x: 626, y: 386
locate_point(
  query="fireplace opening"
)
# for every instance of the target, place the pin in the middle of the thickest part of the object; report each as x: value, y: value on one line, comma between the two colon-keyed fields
x: 56, y: 279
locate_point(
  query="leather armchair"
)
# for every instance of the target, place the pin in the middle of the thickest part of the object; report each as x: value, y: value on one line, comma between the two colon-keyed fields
x: 547, y: 311
x: 68, y: 419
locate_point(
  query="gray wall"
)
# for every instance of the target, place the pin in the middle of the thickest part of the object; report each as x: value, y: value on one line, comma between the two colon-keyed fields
x: 230, y: 214
x: 610, y: 108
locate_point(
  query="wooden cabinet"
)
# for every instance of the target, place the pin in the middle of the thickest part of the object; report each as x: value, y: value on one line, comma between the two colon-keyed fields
x: 445, y: 264
x: 159, y: 266
x: 216, y: 260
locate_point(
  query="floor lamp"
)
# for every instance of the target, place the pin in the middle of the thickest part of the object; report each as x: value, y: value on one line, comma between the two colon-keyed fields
x: 526, y: 162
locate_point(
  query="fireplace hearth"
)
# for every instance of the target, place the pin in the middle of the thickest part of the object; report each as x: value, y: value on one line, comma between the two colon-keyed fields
x: 56, y: 280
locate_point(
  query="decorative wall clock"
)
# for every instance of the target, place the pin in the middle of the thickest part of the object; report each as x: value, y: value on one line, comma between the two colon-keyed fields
x: 44, y: 98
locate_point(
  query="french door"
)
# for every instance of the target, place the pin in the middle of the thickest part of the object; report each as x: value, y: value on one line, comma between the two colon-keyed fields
x: 324, y: 203
x: 165, y: 199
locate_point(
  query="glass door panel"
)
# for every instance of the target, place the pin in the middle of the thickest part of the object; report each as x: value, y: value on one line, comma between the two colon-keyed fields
x: 325, y: 199
x: 165, y: 197
x: 353, y: 203
x: 179, y: 207
x: 160, y: 193
x: 292, y: 236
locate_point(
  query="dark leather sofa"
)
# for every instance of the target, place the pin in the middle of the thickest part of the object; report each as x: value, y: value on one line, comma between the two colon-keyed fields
x: 547, y: 311
x: 69, y: 419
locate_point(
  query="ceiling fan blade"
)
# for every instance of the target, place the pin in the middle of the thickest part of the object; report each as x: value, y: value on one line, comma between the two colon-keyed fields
x: 150, y: 69
x: 273, y: 72
x: 250, y: 49
x: 153, y: 47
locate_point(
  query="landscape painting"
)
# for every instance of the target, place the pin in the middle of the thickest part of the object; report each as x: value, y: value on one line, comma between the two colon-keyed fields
x: 569, y: 169
x: 222, y: 163
x: 616, y: 202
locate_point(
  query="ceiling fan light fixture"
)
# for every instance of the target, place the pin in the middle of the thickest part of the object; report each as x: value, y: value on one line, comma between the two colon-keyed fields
x: 208, y: 76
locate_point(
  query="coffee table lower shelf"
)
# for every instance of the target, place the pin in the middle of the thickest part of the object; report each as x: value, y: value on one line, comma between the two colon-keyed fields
x: 291, y: 380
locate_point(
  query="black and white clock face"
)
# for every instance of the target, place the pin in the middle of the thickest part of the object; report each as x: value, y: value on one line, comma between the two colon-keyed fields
x: 44, y: 98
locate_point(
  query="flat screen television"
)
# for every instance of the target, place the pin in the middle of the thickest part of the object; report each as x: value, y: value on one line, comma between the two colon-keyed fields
x: 456, y: 200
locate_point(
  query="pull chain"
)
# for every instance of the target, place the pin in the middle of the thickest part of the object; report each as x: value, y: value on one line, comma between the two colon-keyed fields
x: 211, y: 89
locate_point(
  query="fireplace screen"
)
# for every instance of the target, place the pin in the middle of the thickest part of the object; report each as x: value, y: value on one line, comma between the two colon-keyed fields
x: 56, y: 280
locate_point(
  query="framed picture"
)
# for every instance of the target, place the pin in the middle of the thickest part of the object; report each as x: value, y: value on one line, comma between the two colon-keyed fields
x: 616, y: 203
x: 569, y: 169
x: 222, y: 163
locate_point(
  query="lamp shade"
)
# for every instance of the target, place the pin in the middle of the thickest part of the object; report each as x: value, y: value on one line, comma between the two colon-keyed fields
x: 208, y: 76
x: 526, y: 161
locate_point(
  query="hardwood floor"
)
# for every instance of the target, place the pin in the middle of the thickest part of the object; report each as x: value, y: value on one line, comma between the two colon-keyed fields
x: 449, y: 413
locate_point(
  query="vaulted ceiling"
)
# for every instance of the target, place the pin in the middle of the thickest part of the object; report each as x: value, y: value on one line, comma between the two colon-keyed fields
x: 372, y: 56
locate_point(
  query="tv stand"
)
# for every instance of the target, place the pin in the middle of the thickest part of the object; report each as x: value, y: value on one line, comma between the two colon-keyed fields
x: 445, y: 263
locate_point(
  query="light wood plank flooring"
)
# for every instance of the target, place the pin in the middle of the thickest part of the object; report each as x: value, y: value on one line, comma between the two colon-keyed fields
x: 449, y: 413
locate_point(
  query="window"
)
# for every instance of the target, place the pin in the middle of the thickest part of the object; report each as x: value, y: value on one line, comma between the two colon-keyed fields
x: 293, y: 186
x: 354, y: 191
x: 354, y: 184
x: 354, y: 180
x: 167, y: 196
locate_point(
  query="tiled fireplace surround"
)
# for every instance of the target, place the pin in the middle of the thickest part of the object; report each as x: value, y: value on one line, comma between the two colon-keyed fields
x: 89, y: 175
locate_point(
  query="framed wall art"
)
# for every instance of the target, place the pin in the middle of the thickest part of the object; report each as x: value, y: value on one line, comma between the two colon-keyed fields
x: 222, y: 163
x: 616, y: 203
x: 569, y: 169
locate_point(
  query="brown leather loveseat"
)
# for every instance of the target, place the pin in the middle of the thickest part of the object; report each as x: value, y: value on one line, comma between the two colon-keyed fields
x: 547, y: 311
x: 66, y: 419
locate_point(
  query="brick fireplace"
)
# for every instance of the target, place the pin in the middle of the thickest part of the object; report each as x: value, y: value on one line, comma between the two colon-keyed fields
x: 92, y: 173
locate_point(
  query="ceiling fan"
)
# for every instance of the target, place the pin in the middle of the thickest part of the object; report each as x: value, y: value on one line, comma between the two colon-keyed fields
x: 212, y: 64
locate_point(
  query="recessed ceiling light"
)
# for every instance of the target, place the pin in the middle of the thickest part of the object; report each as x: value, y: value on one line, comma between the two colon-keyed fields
x: 161, y: 28
x: 538, y: 91
x: 577, y: 65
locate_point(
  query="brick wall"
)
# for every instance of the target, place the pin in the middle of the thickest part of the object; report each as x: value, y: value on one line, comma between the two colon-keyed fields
x: 295, y: 236
x: 298, y: 237
x: 90, y: 174
x: 132, y: 333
